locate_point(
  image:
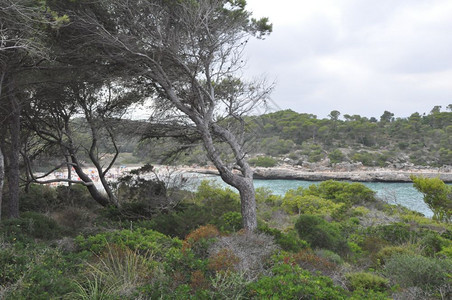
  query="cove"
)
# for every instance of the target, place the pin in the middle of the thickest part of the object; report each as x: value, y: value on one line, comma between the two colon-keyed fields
x: 393, y: 193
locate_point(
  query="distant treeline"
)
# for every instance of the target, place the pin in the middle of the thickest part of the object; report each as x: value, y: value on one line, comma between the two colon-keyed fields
x: 424, y: 140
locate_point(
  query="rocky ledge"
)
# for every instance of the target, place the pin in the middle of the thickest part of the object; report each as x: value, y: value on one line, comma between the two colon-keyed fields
x: 350, y: 173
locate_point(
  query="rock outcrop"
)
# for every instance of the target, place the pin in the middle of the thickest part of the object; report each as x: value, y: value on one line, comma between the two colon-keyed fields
x: 350, y: 172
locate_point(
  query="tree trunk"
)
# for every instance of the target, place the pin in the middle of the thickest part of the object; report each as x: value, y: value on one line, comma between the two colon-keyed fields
x: 248, y: 204
x: 92, y: 189
x: 242, y: 182
x: 2, y: 177
x: 14, y: 171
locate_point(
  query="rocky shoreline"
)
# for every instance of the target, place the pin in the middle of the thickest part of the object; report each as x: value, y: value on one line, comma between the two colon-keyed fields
x: 349, y: 173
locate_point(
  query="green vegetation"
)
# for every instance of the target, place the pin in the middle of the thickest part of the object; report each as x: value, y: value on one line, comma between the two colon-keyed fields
x: 198, y: 249
x: 437, y: 195
x: 263, y: 161
x: 297, y: 138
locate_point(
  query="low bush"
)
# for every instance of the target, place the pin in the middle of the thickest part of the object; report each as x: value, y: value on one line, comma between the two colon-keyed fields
x: 14, y: 265
x: 263, y: 161
x: 309, y: 204
x: 309, y: 260
x: 432, y: 243
x: 140, y: 239
x: 387, y: 252
x: 251, y: 249
x: 330, y: 256
x: 265, y: 195
x: 73, y: 219
x: 418, y: 271
x: 230, y: 221
x: 396, y: 233
x: 336, y: 156
x: 49, y: 274
x: 366, y: 281
x: 38, y: 198
x: 288, y: 241
x: 320, y: 234
x: 342, y: 192
x: 228, y: 285
x: 200, y: 239
x: 223, y: 261
x: 75, y: 195
x: 291, y: 282
x: 30, y: 225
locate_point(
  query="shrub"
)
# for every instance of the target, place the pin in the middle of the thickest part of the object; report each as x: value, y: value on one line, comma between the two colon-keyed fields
x: 211, y: 202
x: 287, y: 241
x: 310, y: 261
x: 320, y: 234
x: 265, y: 195
x: 309, y: 204
x: 291, y: 282
x: 75, y: 195
x: 30, y: 224
x: 230, y: 221
x: 198, y: 280
x: 366, y: 281
x: 252, y: 250
x: 14, y: 264
x: 48, y: 274
x: 387, y: 252
x: 263, y: 161
x: 330, y: 256
x: 416, y: 270
x: 342, y: 192
x: 336, y: 156
x: 431, y: 244
x: 73, y: 219
x: 39, y: 198
x: 437, y: 196
x: 140, y: 239
x: 228, y: 285
x: 223, y: 260
x: 446, y: 252
x: 360, y: 211
x: 370, y: 159
x: 396, y: 233
x: 200, y: 239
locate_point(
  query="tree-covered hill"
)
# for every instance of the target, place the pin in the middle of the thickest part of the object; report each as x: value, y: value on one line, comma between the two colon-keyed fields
x: 418, y: 140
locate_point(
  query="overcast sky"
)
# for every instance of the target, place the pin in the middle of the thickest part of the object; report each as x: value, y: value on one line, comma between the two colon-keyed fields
x: 356, y: 56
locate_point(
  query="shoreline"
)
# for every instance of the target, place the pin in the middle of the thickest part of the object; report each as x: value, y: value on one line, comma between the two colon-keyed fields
x: 288, y: 172
x: 362, y: 174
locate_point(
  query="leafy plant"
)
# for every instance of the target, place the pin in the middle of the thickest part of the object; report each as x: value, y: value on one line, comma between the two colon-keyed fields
x: 366, y: 281
x: 229, y: 285
x: 263, y: 161
x: 437, y: 196
x: 139, y: 239
x: 30, y: 225
x: 342, y: 192
x: 416, y: 270
x: 288, y: 241
x: 320, y: 234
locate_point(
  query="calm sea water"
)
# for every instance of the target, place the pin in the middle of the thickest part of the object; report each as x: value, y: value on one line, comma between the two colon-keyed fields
x: 394, y: 193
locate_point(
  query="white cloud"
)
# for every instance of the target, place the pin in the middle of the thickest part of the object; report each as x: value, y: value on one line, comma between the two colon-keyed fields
x: 357, y: 56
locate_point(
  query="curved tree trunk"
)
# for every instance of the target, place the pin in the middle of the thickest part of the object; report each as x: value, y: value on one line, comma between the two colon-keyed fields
x: 94, y: 192
x: 14, y: 171
x: 242, y: 182
x: 2, y: 177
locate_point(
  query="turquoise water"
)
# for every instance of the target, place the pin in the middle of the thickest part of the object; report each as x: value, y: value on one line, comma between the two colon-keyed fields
x: 393, y: 193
